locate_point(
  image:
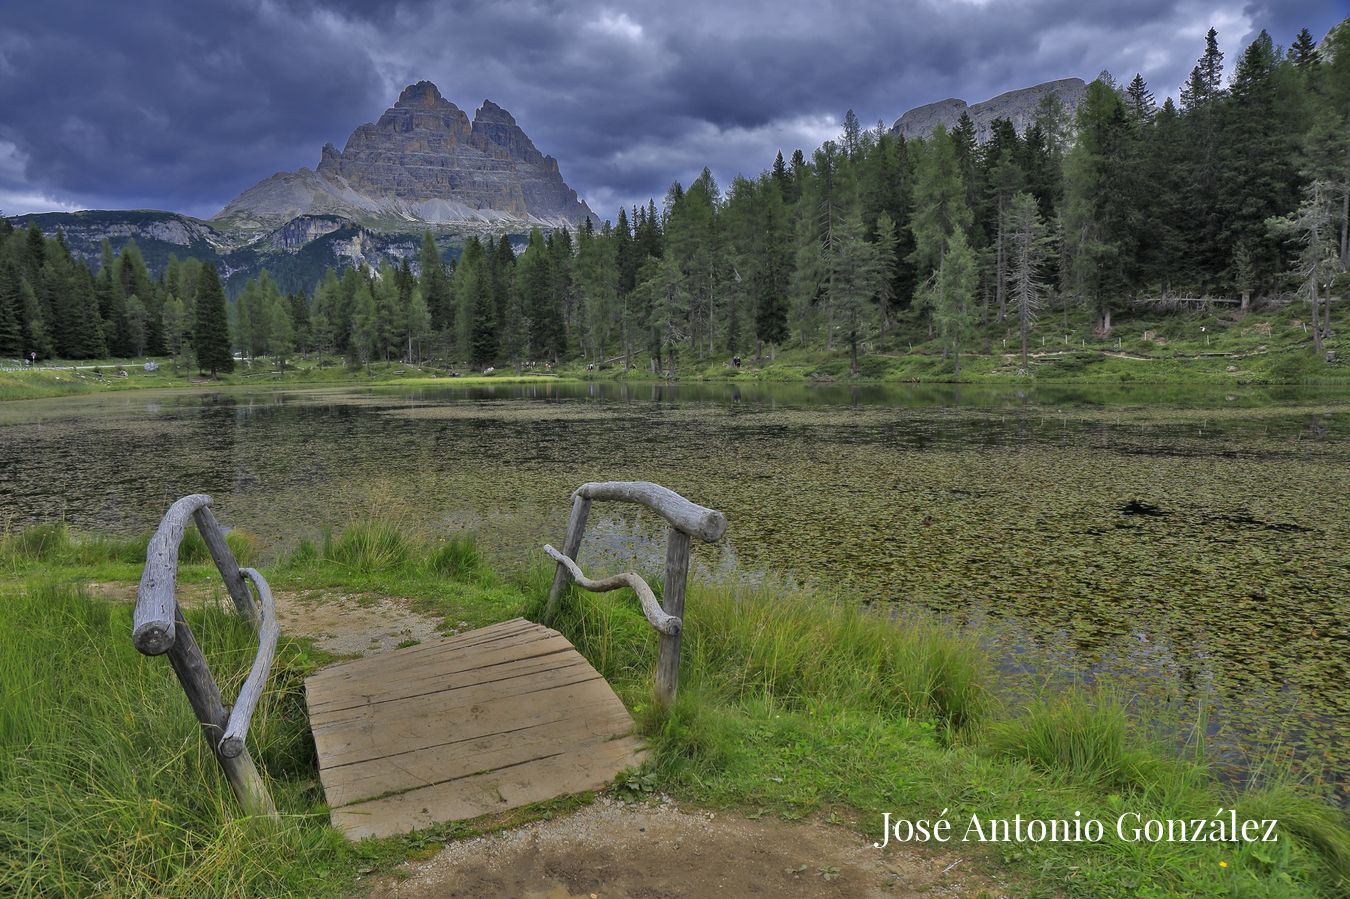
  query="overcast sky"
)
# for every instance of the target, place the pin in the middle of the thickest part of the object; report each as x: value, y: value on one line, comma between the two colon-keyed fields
x: 181, y: 105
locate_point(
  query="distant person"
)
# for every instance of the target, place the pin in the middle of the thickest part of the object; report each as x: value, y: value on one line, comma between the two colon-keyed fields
x: 736, y: 361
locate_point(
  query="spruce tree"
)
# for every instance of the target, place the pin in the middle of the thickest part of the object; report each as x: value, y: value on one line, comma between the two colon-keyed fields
x: 1030, y: 249
x: 940, y: 207
x: 953, y: 297
x: 210, y: 333
x: 11, y: 311
x: 1098, y: 191
x: 1140, y: 101
x: 1304, y: 50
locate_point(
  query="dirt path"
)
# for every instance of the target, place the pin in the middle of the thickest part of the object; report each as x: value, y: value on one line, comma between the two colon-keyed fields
x: 659, y: 851
x: 345, y: 624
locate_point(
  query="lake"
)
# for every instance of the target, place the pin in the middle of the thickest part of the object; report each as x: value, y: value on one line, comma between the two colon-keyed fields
x: 1188, y: 549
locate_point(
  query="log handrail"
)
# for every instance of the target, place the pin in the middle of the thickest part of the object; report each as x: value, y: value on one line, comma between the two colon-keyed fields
x: 695, y: 520
x: 686, y: 520
x: 159, y: 628
x: 656, y: 616
x: 232, y: 744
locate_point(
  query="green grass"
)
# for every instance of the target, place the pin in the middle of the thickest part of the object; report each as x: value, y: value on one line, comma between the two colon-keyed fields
x: 790, y: 705
x: 106, y: 787
x: 1195, y: 347
x: 794, y: 705
x: 104, y: 377
x: 45, y: 545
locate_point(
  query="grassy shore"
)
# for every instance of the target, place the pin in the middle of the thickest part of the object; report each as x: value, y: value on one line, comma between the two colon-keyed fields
x: 1207, y: 348
x: 790, y: 705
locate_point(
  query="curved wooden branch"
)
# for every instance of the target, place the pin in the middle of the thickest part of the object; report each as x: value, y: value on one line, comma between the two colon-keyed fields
x: 214, y: 536
x: 656, y: 616
x: 232, y: 744
x: 152, y: 628
x: 697, y: 521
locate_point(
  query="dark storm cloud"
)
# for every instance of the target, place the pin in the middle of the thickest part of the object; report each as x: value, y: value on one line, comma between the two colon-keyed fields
x: 183, y: 105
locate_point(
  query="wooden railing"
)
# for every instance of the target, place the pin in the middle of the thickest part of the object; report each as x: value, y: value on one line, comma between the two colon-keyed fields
x: 159, y: 628
x: 686, y: 519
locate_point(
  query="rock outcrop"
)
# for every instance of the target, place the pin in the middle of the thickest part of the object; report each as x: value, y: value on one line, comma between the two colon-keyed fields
x: 1019, y: 107
x: 422, y: 162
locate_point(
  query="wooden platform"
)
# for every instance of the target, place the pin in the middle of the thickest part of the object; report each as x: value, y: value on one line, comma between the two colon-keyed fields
x: 461, y: 727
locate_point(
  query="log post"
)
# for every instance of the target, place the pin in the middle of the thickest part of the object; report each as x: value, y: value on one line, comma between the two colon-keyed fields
x: 576, y: 528
x: 214, y: 536
x: 188, y: 662
x: 677, y: 570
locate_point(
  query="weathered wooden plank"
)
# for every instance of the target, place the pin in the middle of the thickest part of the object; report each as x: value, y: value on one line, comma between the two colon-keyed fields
x: 479, y: 723
x: 324, y: 706
x: 666, y: 624
x: 520, y: 630
x: 387, y: 775
x: 488, y: 792
x: 576, y: 528
x: 668, y: 661
x: 232, y: 744
x: 448, y: 662
x: 476, y: 711
x: 698, y: 521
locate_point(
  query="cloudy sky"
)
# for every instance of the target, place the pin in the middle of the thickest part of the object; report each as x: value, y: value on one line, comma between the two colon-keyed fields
x: 182, y: 104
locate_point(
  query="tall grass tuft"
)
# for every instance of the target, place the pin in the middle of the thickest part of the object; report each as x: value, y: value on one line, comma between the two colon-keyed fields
x: 458, y: 557
x: 1082, y: 735
x: 758, y: 643
x: 368, y: 545
x: 106, y: 786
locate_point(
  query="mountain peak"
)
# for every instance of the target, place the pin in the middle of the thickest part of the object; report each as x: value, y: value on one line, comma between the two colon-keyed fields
x: 423, y: 93
x: 491, y: 112
x: 1017, y: 106
x: 422, y: 162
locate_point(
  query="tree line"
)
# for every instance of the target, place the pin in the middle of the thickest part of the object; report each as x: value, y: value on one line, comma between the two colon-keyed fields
x: 1240, y: 189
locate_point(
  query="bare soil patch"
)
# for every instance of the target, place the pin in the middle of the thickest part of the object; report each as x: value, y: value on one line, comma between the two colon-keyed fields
x: 345, y: 624
x: 659, y: 850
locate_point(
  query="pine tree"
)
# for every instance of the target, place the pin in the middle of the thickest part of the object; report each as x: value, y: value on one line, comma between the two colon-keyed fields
x: 176, y: 331
x: 854, y: 282
x: 210, y: 334
x: 1030, y: 249
x: 1257, y: 174
x: 779, y: 173
x: 1304, y: 50
x: 851, y: 134
x: 11, y: 310
x: 1139, y: 100
x: 364, y: 341
x: 1311, y: 228
x: 280, y: 329
x: 953, y: 296
x: 669, y: 302
x: 940, y: 208
x: 1097, y: 209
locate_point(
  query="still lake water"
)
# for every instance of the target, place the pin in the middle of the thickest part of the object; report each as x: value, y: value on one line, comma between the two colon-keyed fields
x: 1188, y: 550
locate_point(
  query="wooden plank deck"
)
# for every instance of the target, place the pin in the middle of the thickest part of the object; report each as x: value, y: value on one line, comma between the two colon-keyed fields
x: 478, y: 723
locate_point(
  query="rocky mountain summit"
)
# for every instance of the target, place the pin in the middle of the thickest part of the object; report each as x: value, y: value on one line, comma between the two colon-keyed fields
x: 422, y: 162
x: 1018, y: 106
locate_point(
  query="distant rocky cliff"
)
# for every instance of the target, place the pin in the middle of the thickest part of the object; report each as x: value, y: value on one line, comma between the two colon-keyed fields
x: 1019, y: 107
x: 422, y: 162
